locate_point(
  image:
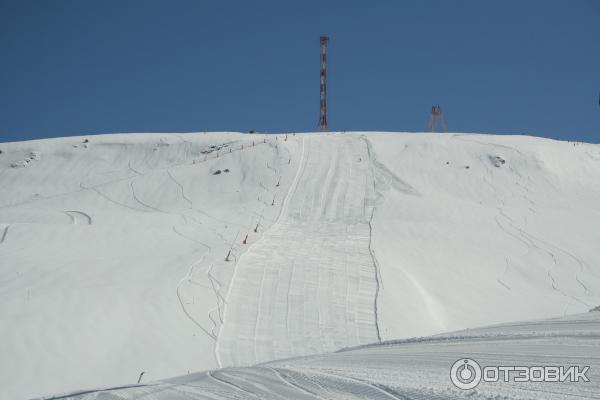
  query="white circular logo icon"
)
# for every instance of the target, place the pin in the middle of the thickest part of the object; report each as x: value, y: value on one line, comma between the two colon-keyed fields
x: 465, y: 373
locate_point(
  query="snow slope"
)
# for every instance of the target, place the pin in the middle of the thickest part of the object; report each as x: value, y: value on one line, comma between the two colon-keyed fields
x: 112, y: 251
x: 495, y: 242
x: 411, y: 369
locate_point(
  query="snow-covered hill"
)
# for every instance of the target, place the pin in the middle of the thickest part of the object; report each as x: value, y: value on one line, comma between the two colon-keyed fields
x: 113, y: 248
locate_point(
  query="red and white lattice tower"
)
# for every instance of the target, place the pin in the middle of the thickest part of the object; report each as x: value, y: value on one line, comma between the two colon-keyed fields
x: 437, y: 115
x: 323, y: 86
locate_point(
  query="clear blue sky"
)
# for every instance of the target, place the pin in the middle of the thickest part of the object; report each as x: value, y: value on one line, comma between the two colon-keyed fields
x: 81, y: 67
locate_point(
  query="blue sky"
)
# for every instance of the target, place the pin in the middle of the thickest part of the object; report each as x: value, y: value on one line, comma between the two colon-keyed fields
x: 82, y: 67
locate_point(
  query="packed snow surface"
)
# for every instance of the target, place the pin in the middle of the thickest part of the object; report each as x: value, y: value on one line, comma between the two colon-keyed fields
x: 308, y: 285
x: 171, y: 254
x: 411, y: 369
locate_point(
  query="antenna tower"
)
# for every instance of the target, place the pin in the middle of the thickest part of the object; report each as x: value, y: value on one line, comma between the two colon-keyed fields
x: 437, y: 115
x: 323, y: 85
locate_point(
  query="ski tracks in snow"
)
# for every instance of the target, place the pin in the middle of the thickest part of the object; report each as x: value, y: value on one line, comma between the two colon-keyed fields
x: 4, y: 234
x: 309, y: 284
x: 215, y: 286
x: 532, y: 242
x: 79, y: 217
x: 188, y: 279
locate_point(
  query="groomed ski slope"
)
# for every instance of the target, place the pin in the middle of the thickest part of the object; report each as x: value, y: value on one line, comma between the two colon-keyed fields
x: 112, y: 251
x: 411, y: 369
x: 309, y: 285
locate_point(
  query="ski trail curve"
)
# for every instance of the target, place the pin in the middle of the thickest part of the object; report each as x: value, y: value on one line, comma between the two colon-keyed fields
x: 78, y: 216
x: 187, y: 278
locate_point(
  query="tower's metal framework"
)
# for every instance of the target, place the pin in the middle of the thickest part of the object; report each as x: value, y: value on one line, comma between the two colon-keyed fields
x: 437, y: 115
x: 323, y: 86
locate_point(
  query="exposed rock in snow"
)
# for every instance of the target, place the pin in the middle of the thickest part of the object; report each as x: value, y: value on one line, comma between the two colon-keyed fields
x: 497, y: 161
